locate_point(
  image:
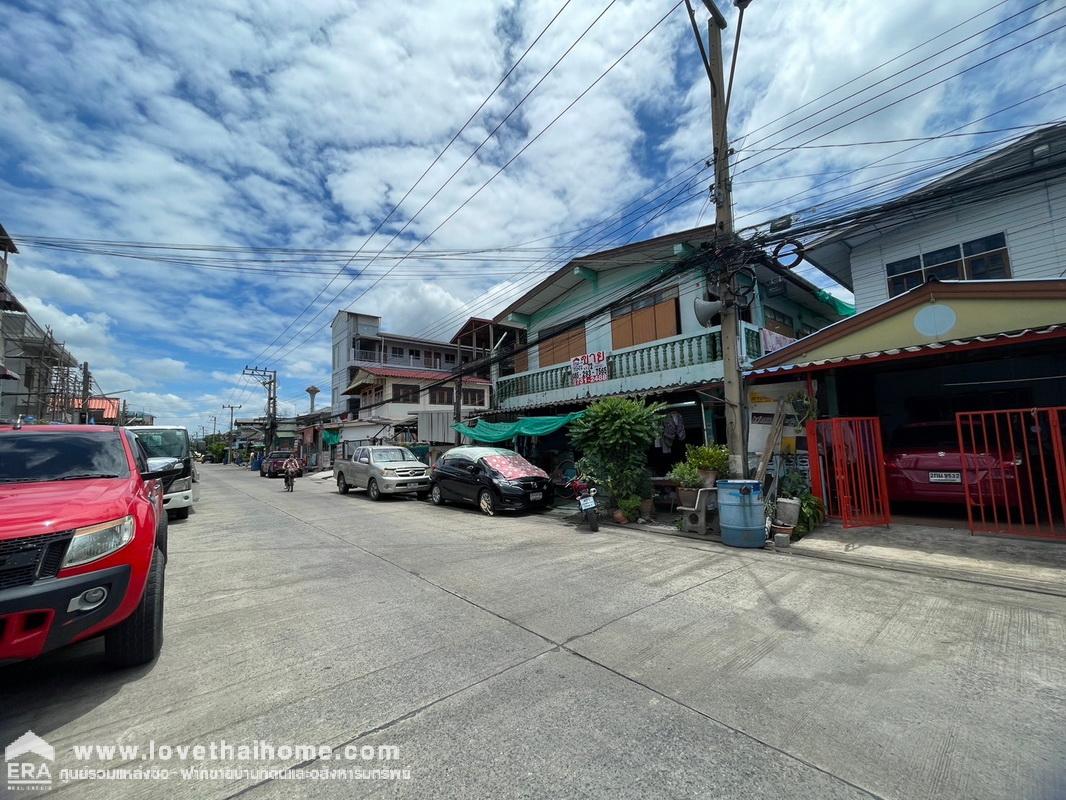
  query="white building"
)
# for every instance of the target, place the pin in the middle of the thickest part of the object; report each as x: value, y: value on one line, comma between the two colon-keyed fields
x: 1001, y: 217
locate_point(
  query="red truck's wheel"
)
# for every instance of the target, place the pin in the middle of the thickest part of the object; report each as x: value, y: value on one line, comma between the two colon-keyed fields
x: 137, y: 639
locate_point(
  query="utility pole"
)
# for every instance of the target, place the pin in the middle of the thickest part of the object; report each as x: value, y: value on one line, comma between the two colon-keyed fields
x: 229, y: 438
x: 269, y: 379
x: 723, y: 199
x: 458, y: 390
x: 85, y: 392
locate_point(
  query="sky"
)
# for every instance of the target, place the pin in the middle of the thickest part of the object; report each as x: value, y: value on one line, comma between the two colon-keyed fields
x: 251, y: 124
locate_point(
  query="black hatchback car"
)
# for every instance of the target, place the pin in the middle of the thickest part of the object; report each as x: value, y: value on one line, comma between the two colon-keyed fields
x: 492, y: 478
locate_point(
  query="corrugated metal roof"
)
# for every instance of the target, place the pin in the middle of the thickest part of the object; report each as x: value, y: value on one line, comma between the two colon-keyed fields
x: 948, y: 345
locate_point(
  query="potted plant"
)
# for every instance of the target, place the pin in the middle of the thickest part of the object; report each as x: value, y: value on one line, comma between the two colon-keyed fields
x: 689, y: 482
x: 630, y: 508
x: 614, y: 435
x: 812, y: 514
x: 790, y: 490
x: 711, y: 460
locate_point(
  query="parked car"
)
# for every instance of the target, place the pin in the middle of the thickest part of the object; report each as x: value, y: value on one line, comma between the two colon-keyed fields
x: 181, y: 492
x: 923, y: 464
x: 273, y: 464
x: 382, y: 470
x: 83, y: 541
x: 492, y: 478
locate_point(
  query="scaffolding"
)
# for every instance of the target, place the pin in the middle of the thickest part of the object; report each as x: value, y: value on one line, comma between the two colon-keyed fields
x: 49, y: 383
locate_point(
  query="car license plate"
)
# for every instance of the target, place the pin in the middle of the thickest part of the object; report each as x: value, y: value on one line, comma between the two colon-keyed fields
x: 536, y: 496
x: 945, y: 477
x: 586, y: 503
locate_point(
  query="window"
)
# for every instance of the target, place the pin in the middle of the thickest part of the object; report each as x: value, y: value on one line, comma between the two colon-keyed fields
x: 986, y: 258
x: 647, y: 318
x: 778, y: 322
x: 29, y: 456
x: 980, y: 259
x: 559, y: 348
x: 139, y: 454
x: 449, y: 358
x: 944, y: 264
x: 442, y: 396
x: 405, y: 392
x: 413, y: 353
x: 397, y: 352
x: 473, y: 397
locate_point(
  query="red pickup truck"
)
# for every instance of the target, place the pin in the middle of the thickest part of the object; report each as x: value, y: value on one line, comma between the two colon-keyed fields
x: 274, y: 464
x: 83, y: 541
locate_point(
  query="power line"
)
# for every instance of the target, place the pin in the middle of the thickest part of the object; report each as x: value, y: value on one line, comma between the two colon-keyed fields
x: 426, y: 171
x: 514, y: 157
x: 449, y: 179
x: 930, y: 40
x: 916, y: 92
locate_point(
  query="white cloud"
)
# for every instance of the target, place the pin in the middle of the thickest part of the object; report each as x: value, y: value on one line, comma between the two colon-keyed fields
x: 238, y: 122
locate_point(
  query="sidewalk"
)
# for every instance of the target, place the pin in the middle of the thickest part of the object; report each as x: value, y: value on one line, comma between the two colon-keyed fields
x: 945, y: 552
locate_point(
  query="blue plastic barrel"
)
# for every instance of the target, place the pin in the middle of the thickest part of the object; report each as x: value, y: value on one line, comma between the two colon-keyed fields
x: 741, y: 513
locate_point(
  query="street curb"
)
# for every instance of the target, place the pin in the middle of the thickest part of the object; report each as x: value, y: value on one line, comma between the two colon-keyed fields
x: 965, y: 576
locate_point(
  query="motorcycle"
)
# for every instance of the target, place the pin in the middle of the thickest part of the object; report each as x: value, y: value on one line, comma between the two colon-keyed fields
x: 585, y: 494
x: 290, y: 480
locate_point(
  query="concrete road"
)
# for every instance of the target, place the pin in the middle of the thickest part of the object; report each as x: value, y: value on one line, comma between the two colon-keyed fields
x: 520, y: 657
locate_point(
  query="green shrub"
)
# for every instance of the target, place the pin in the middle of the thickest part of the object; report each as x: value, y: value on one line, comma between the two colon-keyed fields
x: 709, y: 456
x: 812, y: 513
x: 614, y: 435
x: 686, y: 476
x: 793, y: 484
x: 630, y: 506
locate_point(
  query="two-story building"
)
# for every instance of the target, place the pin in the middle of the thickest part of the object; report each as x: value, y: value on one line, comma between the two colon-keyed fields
x: 382, y: 380
x: 962, y: 319
x: 652, y: 344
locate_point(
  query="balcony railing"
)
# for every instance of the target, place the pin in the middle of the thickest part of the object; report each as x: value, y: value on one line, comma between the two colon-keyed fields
x: 656, y: 357
x: 372, y: 357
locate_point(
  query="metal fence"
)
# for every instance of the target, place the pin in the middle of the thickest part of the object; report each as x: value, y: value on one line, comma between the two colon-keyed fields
x: 1014, y: 470
x: 849, y: 471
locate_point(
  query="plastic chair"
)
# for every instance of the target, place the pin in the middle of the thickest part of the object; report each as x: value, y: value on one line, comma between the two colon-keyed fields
x: 701, y: 518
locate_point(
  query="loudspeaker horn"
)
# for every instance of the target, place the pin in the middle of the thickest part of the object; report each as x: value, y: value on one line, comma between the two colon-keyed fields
x: 706, y: 310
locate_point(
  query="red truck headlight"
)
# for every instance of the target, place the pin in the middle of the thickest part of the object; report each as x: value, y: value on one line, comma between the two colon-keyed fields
x: 96, y: 541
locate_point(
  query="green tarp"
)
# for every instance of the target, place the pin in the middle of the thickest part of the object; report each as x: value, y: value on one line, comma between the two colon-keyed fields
x: 505, y: 431
x: 331, y: 437
x: 842, y: 308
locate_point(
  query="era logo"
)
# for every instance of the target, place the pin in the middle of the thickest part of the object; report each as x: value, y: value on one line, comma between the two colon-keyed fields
x: 23, y: 774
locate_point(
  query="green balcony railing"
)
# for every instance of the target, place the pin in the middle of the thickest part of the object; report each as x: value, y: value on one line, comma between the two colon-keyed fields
x: 704, y: 348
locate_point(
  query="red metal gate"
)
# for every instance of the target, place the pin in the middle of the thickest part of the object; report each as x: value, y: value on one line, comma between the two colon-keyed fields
x: 1014, y: 470
x: 848, y: 469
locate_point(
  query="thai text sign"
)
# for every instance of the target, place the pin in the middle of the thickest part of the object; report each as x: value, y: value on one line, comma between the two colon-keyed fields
x: 589, y: 368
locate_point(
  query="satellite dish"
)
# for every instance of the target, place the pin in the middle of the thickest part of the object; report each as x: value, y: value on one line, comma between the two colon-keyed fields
x: 706, y: 310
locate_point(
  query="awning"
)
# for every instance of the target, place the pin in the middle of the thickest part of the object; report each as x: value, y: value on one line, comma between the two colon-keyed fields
x: 893, y: 353
x: 525, y: 426
x: 7, y: 375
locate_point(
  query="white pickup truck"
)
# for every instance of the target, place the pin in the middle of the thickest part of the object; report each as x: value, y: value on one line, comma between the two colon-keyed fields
x: 382, y: 469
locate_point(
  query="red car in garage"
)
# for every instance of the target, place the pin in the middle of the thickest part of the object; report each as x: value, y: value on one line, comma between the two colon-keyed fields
x: 82, y: 541
x: 923, y: 464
